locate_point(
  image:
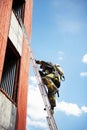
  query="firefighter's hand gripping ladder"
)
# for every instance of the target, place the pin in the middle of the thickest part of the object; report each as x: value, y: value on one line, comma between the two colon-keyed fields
x: 50, y: 119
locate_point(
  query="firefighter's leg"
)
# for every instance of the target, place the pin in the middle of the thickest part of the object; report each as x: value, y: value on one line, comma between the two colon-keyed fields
x: 50, y: 85
x: 52, y: 101
x: 51, y: 77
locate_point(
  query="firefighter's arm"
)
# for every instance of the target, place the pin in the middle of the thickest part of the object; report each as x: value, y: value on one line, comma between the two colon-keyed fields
x: 38, y: 61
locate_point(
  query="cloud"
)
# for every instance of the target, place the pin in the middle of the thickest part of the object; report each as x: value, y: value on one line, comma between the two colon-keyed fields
x: 60, y: 58
x: 70, y: 26
x: 66, y: 16
x: 83, y: 74
x: 36, y: 123
x: 61, y: 52
x: 35, y: 103
x: 84, y: 109
x: 33, y: 79
x: 84, y: 59
x: 60, y: 55
x: 69, y: 108
x: 36, y: 116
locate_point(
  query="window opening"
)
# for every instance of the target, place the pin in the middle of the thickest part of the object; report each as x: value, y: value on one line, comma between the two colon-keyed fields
x: 10, y: 75
x: 19, y: 7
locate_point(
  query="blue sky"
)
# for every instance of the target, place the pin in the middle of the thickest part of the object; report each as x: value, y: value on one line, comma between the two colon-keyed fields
x: 59, y: 35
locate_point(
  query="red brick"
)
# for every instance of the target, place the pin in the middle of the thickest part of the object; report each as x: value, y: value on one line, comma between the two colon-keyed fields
x: 5, y: 13
x: 2, y: 53
x: 22, y: 95
x: 24, y: 71
x: 28, y: 12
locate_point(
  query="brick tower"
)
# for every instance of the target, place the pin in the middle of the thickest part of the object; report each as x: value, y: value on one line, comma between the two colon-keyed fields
x: 14, y: 63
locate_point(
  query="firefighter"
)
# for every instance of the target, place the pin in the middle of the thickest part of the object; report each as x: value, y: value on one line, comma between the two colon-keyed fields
x: 51, y: 76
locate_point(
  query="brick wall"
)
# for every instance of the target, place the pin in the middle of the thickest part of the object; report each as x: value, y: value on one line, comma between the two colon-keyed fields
x: 5, y: 13
x: 24, y: 71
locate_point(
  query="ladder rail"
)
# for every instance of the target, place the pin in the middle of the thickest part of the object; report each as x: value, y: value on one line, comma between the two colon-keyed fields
x: 49, y: 124
x: 44, y: 96
x: 50, y: 118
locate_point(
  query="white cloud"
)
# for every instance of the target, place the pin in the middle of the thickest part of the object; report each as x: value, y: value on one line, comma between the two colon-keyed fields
x: 60, y: 52
x: 36, y: 116
x: 60, y: 58
x: 67, y: 23
x: 84, y: 109
x: 69, y: 26
x: 33, y: 79
x: 64, y: 25
x: 83, y: 74
x: 35, y: 103
x: 36, y: 123
x: 69, y: 108
x: 60, y: 55
x: 84, y: 59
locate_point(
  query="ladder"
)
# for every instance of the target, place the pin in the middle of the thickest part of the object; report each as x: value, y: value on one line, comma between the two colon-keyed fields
x: 50, y: 119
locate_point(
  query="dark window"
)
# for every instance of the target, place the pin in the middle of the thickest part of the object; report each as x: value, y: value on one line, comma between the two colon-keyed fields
x: 17, y: 3
x: 10, y: 75
x: 18, y: 7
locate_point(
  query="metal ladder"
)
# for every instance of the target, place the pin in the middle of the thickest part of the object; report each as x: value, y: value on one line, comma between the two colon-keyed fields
x: 50, y: 119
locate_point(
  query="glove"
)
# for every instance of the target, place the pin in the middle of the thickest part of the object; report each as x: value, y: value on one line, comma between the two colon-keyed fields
x: 63, y: 78
x: 37, y: 61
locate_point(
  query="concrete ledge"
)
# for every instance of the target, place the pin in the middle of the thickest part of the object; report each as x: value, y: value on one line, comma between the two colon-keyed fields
x: 7, y: 113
